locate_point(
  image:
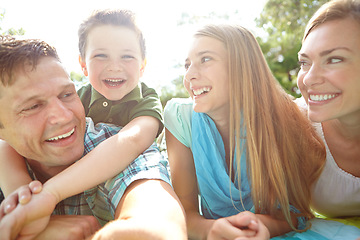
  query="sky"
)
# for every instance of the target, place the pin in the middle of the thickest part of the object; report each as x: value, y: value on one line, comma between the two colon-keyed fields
x: 57, y: 22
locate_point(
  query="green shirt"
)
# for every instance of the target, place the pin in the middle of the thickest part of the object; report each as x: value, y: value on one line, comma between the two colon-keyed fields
x: 141, y: 101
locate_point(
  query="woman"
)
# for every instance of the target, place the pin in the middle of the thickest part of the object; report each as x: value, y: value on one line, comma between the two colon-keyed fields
x: 329, y: 80
x: 241, y: 143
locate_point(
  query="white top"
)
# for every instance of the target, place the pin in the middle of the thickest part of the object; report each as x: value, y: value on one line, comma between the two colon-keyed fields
x: 336, y: 193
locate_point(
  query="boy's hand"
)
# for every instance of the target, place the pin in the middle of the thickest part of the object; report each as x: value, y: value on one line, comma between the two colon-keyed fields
x: 22, y: 195
x: 29, y: 219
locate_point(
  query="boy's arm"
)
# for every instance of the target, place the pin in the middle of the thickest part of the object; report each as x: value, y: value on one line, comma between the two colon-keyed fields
x: 13, y: 171
x: 106, y: 160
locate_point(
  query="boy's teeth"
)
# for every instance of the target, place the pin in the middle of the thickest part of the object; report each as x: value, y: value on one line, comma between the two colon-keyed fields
x: 62, y: 136
x: 114, y: 80
x: 321, y: 97
x: 201, y: 91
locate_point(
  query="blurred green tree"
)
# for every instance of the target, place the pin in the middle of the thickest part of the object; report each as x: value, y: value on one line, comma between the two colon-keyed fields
x: 284, y: 22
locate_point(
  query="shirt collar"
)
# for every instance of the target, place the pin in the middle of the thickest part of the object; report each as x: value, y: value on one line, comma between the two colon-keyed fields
x: 134, y: 95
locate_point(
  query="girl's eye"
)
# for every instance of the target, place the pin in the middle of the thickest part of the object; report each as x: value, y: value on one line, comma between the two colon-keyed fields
x: 187, y: 65
x: 205, y: 59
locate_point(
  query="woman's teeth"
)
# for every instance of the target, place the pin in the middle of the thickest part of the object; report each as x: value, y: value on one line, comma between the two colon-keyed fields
x: 322, y: 97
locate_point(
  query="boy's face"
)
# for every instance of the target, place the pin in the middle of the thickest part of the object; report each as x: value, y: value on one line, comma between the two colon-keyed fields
x: 42, y: 116
x: 113, y: 60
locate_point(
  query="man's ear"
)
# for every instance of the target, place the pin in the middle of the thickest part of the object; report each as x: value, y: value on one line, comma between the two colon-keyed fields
x: 142, y: 67
x: 83, y: 66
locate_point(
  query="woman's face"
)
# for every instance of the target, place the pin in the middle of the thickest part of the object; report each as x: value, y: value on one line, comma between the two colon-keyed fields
x: 206, y: 78
x: 329, y: 78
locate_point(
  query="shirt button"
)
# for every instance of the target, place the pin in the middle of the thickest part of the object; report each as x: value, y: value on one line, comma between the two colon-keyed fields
x: 105, y: 104
x: 110, y: 120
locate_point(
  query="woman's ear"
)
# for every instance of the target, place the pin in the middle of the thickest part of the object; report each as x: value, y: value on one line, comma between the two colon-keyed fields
x: 83, y: 66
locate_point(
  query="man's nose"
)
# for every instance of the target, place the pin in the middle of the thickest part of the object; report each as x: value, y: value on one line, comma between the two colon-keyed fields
x: 59, y: 112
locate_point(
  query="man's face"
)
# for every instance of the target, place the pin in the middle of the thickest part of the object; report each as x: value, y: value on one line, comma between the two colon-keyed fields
x: 42, y: 116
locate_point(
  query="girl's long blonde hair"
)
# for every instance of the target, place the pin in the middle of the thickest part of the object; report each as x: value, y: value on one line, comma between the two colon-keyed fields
x: 284, y: 154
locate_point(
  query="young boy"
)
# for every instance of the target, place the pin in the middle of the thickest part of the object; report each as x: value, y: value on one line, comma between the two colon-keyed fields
x: 112, y: 55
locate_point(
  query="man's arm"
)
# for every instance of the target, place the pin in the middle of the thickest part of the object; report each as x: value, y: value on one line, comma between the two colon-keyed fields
x: 149, y: 209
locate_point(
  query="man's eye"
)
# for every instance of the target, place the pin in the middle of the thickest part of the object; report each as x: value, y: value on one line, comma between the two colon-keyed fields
x: 68, y: 94
x: 33, y: 107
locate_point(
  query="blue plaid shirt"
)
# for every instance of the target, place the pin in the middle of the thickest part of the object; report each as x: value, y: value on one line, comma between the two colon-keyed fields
x: 101, y: 201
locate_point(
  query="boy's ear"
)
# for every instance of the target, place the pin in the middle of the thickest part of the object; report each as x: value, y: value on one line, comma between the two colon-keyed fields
x: 142, y: 67
x: 83, y: 66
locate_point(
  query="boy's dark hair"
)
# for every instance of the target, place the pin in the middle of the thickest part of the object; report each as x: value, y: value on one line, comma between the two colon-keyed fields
x: 14, y: 53
x: 118, y: 17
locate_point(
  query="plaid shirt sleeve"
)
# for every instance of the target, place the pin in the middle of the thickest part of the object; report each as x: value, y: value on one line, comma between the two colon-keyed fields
x: 104, y: 198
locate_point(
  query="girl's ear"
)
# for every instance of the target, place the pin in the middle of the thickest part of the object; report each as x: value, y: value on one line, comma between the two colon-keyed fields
x: 83, y: 66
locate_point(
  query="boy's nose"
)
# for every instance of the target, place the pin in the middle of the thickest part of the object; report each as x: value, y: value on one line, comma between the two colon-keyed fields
x: 115, y: 66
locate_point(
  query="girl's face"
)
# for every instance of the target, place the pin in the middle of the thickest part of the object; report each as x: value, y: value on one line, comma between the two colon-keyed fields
x: 329, y: 78
x: 206, y: 78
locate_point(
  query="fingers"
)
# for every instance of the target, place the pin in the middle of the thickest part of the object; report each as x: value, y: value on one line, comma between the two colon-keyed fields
x: 223, y: 229
x: 35, y: 187
x: 8, y: 204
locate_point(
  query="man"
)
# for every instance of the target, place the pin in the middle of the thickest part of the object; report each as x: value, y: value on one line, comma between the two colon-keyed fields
x: 42, y: 118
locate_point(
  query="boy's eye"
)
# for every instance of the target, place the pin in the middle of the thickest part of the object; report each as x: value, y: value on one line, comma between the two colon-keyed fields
x: 128, y: 57
x: 100, y: 56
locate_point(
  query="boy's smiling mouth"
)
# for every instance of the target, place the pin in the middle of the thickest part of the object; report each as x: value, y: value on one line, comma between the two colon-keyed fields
x: 114, y: 82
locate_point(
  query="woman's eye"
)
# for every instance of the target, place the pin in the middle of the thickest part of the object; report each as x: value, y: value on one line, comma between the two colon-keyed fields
x: 304, y: 64
x: 335, y: 60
